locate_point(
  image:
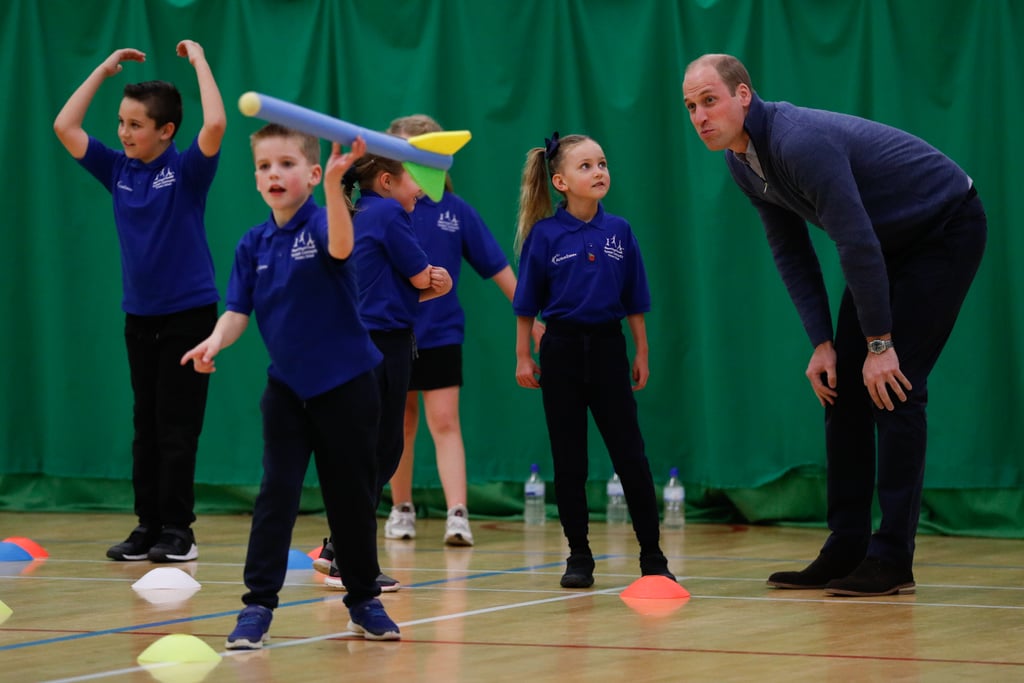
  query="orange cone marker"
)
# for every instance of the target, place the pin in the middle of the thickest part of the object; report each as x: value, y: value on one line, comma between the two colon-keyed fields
x: 655, y: 596
x: 654, y: 588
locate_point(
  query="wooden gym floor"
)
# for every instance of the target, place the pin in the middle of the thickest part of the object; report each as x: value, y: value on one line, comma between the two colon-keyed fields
x: 495, y: 612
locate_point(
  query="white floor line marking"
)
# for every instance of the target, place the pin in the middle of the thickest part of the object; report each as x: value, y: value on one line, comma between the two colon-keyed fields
x: 331, y: 636
x: 531, y: 603
x: 461, y: 615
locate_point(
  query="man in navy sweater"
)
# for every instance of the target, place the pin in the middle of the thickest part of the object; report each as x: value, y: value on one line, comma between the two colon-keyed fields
x: 910, y: 232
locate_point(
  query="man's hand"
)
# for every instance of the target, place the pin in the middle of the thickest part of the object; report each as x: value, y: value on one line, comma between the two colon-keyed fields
x: 821, y: 372
x: 882, y: 373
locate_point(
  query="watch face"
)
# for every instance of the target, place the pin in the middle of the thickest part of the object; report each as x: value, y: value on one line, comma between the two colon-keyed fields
x: 879, y: 345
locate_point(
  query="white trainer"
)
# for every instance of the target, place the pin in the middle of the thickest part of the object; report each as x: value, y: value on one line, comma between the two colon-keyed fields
x: 457, y: 528
x: 401, y: 524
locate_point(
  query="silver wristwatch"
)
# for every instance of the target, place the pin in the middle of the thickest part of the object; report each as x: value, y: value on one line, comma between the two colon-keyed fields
x: 879, y: 345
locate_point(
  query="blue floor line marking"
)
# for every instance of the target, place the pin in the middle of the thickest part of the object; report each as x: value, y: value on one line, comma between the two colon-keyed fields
x: 481, y: 575
x: 295, y: 603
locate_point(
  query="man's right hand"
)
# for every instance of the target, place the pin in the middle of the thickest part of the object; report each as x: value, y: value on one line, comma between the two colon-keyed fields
x: 821, y: 372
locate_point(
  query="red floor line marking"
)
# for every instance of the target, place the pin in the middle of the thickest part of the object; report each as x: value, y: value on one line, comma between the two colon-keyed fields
x: 713, y: 651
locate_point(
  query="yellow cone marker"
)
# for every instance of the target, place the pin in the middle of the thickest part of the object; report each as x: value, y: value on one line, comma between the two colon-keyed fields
x: 179, y: 658
x: 190, y: 672
x: 178, y: 648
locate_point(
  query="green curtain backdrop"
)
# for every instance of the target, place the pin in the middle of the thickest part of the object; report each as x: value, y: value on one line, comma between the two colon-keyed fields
x: 727, y: 402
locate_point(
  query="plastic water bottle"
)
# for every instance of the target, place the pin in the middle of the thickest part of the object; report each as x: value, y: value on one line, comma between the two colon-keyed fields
x: 534, y: 513
x: 675, y: 501
x: 617, y: 512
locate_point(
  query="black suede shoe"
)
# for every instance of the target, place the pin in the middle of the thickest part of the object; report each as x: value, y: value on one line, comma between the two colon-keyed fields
x: 873, y: 577
x: 825, y: 568
x: 579, y: 571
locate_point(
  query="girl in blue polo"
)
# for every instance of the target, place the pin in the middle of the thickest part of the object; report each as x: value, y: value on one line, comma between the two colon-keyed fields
x: 581, y: 270
x: 394, y: 276
x: 450, y: 230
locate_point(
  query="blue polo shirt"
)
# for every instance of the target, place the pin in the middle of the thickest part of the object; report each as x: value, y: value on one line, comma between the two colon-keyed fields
x: 386, y: 255
x: 305, y: 303
x: 166, y: 265
x: 585, y: 273
x: 451, y: 230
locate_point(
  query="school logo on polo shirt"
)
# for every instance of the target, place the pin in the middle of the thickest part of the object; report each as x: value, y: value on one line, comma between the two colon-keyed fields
x: 448, y: 222
x: 613, y: 247
x: 164, y: 177
x: 304, y: 247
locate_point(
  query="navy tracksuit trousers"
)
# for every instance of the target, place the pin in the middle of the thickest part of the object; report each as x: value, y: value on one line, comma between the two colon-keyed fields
x: 927, y: 285
x: 339, y: 427
x: 587, y: 367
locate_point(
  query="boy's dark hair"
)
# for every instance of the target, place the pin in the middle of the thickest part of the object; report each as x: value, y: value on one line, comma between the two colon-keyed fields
x: 161, y: 99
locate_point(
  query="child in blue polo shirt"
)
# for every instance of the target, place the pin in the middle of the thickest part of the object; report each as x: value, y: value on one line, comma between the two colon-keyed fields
x: 295, y: 272
x: 450, y: 230
x: 582, y: 270
x: 394, y: 276
x: 170, y: 297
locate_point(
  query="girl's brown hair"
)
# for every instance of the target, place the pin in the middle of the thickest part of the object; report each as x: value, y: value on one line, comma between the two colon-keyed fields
x: 418, y: 124
x: 534, y: 193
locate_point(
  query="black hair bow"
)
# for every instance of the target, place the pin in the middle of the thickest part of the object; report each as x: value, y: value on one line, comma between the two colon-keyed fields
x: 551, y: 146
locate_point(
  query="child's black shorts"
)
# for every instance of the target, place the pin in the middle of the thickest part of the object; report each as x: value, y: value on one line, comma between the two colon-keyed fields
x: 437, y: 368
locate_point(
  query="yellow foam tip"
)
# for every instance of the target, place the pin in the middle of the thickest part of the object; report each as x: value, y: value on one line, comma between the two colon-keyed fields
x: 441, y: 142
x: 5, y: 612
x: 249, y: 104
x: 178, y: 648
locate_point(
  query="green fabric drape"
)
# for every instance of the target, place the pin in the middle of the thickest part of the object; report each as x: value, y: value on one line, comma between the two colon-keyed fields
x: 727, y: 402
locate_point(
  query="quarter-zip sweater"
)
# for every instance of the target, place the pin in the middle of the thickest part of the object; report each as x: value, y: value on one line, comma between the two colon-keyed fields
x: 874, y: 189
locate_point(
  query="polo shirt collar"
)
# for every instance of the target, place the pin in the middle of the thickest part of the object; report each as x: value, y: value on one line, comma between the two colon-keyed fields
x: 572, y: 224
x: 159, y: 162
x: 305, y: 212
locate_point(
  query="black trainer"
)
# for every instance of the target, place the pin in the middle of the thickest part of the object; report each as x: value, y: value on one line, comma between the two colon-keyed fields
x: 873, y: 577
x: 826, y: 567
x: 385, y: 582
x: 135, y: 547
x: 579, y: 571
x: 175, y: 545
x: 323, y: 563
